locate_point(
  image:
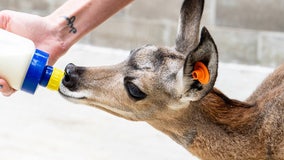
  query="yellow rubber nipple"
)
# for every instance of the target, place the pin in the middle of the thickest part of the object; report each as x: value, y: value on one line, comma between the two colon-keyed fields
x: 55, y: 79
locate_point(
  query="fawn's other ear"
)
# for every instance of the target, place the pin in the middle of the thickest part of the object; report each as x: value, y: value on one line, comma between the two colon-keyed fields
x: 200, y: 68
x: 188, y: 28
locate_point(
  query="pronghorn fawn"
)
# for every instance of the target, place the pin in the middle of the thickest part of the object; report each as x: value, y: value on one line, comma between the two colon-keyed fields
x: 172, y: 89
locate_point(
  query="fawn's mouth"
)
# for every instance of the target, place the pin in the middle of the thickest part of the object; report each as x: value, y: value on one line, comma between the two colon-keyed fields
x: 65, y: 92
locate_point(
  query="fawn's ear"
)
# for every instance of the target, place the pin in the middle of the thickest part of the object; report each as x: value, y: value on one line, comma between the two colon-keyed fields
x: 188, y: 28
x: 200, y: 68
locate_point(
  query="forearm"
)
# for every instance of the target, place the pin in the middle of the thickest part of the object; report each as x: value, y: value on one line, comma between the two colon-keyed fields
x: 75, y: 18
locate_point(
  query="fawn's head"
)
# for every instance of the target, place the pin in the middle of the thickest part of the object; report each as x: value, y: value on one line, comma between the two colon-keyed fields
x: 152, y: 79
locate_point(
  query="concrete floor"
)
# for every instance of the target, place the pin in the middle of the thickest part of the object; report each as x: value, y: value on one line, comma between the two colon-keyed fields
x: 44, y: 126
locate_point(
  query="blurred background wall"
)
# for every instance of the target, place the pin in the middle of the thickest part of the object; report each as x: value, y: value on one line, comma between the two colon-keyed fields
x: 248, y: 32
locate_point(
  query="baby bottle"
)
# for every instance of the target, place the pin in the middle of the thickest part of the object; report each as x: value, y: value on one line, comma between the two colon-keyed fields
x: 23, y: 66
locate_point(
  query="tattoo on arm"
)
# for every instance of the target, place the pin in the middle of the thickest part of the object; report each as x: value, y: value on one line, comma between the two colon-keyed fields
x: 70, y: 24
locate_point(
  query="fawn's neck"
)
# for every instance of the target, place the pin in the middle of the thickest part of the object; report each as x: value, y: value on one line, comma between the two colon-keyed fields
x: 213, y: 111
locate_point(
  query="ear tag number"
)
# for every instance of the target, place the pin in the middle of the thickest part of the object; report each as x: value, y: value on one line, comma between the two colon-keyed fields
x: 201, y: 73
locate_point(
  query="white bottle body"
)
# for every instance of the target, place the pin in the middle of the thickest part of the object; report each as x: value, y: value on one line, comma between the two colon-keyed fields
x: 15, y: 56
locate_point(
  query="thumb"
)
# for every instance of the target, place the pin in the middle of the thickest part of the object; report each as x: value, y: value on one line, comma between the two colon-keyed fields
x: 5, y: 88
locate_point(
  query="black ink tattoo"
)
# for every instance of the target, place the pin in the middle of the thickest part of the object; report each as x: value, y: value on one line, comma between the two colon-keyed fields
x: 70, y: 24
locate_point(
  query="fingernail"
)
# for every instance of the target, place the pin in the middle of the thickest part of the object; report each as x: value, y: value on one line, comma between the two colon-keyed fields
x: 1, y: 86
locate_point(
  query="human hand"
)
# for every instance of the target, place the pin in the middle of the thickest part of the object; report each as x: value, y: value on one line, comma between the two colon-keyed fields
x: 41, y: 30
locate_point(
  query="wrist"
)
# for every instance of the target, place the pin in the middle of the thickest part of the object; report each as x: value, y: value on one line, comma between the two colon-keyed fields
x: 57, y: 28
x: 53, y: 40
x: 70, y: 22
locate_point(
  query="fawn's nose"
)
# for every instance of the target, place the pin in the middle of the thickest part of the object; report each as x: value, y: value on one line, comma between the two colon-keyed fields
x: 72, y: 76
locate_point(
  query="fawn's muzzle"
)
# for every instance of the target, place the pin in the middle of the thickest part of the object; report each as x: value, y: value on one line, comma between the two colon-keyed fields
x: 72, y: 76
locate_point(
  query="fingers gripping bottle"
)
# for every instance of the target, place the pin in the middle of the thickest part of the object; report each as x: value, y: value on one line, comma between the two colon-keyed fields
x: 24, y: 66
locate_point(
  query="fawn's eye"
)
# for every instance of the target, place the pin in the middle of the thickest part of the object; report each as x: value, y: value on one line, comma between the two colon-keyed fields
x: 134, y: 91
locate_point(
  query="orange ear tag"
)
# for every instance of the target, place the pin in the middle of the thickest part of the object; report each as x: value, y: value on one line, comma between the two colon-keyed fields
x: 201, y: 73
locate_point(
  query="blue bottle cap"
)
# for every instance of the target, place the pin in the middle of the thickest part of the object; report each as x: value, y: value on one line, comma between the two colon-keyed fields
x: 46, y: 76
x: 35, y: 70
